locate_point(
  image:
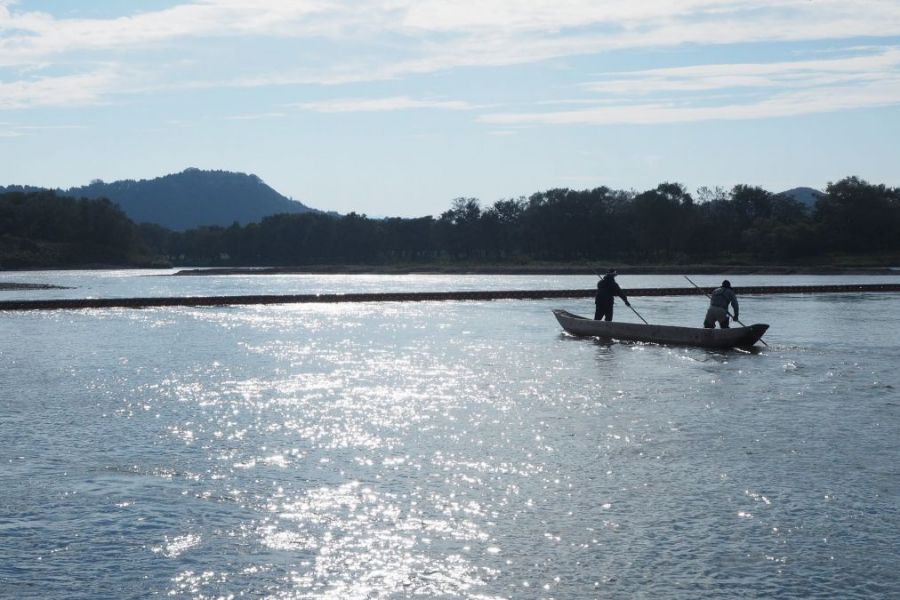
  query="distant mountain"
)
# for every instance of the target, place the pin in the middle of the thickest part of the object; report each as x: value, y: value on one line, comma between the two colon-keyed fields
x: 804, y: 195
x: 193, y: 198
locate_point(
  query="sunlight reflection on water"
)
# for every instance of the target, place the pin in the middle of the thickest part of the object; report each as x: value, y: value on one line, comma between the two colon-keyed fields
x: 446, y: 450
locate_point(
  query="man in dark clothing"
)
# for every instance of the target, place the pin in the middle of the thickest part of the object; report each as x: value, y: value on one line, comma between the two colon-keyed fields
x: 607, y: 288
x: 718, y: 306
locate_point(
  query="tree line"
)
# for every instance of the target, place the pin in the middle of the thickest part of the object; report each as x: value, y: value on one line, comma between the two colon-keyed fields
x: 39, y: 229
x: 663, y: 225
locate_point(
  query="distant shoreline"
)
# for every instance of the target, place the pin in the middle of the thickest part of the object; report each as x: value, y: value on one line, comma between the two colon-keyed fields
x: 536, y: 269
x: 6, y: 286
x: 541, y: 270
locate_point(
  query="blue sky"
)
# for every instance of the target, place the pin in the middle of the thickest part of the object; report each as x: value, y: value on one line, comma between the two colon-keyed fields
x: 395, y: 107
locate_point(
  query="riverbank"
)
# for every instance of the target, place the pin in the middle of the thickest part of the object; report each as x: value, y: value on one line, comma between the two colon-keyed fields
x: 549, y: 269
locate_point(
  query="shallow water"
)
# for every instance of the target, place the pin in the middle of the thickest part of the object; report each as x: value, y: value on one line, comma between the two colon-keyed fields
x: 445, y: 449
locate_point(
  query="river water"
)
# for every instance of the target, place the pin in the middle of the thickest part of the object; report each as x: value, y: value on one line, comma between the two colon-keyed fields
x: 444, y: 449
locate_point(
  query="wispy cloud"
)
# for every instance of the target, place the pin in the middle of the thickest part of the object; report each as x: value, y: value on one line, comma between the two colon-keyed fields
x: 10, y: 130
x: 381, y: 104
x: 48, y: 127
x: 64, y: 90
x: 794, y: 74
x: 36, y: 36
x: 437, y: 34
x: 256, y: 116
x: 710, y: 92
x: 48, y: 60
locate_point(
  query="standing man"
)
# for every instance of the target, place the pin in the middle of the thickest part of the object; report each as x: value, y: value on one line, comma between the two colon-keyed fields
x: 718, y: 306
x: 607, y: 288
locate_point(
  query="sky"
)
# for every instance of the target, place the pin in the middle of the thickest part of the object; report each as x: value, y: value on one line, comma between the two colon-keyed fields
x: 396, y: 107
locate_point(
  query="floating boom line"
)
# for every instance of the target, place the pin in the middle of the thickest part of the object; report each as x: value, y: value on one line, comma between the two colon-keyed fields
x: 169, y: 301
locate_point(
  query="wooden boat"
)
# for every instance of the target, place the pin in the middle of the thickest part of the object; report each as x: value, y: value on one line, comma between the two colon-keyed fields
x: 740, y: 337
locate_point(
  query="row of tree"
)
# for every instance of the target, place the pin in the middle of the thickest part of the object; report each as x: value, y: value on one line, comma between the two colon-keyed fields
x: 42, y: 229
x: 662, y: 225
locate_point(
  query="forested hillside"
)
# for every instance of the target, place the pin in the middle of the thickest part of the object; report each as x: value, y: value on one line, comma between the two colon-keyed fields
x: 193, y: 198
x: 664, y: 225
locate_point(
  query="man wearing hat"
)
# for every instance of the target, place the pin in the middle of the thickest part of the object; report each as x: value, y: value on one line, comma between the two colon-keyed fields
x: 718, y: 306
x: 607, y: 288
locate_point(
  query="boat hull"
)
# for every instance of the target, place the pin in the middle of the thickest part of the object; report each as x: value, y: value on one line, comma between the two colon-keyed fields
x: 733, y: 337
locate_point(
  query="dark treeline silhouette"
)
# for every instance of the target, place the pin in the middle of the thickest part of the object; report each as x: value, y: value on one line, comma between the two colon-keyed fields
x: 664, y: 225
x: 41, y: 229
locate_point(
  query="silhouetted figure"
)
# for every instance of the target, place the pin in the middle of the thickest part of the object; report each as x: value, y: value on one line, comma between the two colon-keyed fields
x: 607, y: 289
x: 718, y: 306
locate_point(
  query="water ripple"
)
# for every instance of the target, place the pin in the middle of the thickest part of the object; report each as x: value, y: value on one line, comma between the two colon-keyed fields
x: 462, y: 450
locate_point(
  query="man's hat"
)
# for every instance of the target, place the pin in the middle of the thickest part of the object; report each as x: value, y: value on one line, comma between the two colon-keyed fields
x: 612, y: 272
x: 726, y: 284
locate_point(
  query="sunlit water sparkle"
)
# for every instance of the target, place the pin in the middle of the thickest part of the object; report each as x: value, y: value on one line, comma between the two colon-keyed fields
x: 447, y: 450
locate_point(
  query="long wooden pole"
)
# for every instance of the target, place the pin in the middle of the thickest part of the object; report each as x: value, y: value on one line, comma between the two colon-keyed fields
x: 728, y: 312
x: 638, y: 314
